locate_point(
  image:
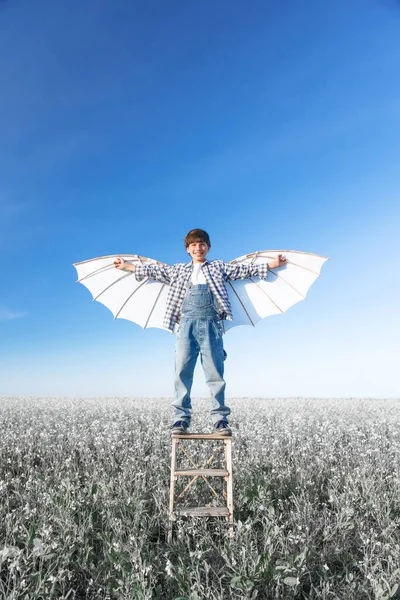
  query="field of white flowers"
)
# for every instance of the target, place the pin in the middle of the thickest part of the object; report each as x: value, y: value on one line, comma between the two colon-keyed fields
x: 84, y: 490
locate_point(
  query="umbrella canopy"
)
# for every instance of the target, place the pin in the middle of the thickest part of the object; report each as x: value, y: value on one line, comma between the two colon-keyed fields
x: 251, y: 299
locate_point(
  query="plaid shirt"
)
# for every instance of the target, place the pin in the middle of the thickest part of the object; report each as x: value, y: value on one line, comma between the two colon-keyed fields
x: 178, y: 276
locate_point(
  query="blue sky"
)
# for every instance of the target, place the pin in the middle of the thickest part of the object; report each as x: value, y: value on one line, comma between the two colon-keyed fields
x: 271, y: 125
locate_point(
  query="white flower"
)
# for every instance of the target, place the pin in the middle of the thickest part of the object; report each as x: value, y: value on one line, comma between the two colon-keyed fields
x: 169, y: 569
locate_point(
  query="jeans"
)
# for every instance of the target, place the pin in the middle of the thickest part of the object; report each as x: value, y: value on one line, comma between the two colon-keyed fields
x: 199, y: 332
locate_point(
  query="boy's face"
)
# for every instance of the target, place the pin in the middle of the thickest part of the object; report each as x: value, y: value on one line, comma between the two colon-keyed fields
x: 198, y: 251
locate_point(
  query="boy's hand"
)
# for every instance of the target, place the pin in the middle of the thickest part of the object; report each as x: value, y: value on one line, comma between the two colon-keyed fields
x: 279, y: 261
x: 119, y: 263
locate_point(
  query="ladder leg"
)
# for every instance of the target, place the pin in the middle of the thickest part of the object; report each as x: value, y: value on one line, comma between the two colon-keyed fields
x: 229, y: 485
x: 203, y: 511
x: 172, y: 489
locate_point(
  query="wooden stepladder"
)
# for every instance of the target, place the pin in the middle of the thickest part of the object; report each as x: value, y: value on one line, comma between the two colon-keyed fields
x: 205, y: 472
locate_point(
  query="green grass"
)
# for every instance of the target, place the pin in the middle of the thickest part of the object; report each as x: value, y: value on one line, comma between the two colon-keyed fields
x: 84, y: 492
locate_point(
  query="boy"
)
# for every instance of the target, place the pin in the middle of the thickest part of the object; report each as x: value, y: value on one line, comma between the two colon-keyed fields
x: 198, y: 302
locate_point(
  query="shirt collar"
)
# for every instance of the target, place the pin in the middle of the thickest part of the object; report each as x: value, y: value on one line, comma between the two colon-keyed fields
x: 190, y: 264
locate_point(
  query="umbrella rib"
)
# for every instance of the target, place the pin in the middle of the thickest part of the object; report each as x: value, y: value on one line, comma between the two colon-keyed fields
x: 113, y: 283
x: 139, y: 258
x: 289, y: 284
x: 261, y: 253
x: 94, y: 272
x: 268, y: 296
x: 134, y: 292
x: 305, y: 268
x: 154, y: 305
x: 244, y: 308
x: 233, y: 262
x: 83, y: 262
x: 293, y: 251
x: 254, y: 257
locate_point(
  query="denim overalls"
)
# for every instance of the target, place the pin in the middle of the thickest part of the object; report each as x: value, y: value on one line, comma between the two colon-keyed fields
x: 200, y: 331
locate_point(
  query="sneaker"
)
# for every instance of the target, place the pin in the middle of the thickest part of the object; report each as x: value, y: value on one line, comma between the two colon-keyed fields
x: 222, y: 428
x: 179, y: 427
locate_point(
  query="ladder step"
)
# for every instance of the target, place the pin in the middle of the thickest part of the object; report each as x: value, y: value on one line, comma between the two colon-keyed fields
x: 204, y: 472
x: 203, y: 511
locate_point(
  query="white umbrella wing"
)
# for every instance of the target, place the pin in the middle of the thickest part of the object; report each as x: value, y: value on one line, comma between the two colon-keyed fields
x: 284, y: 287
x: 104, y: 281
x: 156, y: 317
x: 251, y: 299
x: 95, y: 265
x: 141, y: 302
x: 244, y: 312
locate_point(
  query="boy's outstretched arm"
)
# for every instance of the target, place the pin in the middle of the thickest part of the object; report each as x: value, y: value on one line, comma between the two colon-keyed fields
x: 243, y: 271
x: 159, y: 272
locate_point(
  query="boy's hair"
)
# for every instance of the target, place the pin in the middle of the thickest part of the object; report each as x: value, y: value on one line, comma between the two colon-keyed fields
x: 197, y: 235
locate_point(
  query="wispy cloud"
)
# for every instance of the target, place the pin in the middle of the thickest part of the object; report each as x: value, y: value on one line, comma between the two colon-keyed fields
x: 9, y: 315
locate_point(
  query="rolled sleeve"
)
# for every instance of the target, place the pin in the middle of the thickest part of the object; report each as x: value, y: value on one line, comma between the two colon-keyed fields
x: 243, y: 271
x: 158, y: 272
